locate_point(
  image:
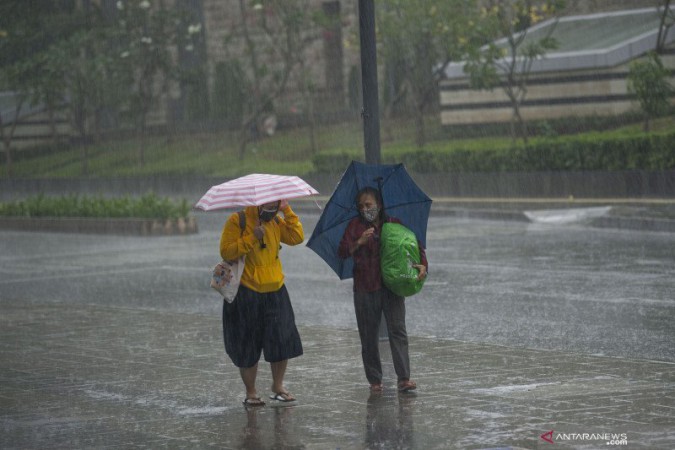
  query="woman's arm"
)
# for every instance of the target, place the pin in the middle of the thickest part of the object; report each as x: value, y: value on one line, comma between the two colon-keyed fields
x: 292, y: 232
x: 348, y: 244
x: 232, y: 243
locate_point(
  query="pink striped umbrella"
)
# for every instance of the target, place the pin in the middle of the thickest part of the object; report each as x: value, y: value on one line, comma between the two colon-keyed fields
x: 254, y: 190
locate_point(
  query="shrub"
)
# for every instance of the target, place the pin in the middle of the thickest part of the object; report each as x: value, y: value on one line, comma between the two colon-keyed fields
x: 614, y: 153
x: 148, y: 206
x: 331, y: 162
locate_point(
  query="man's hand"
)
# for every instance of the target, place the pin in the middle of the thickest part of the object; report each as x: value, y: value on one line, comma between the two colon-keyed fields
x: 423, y: 271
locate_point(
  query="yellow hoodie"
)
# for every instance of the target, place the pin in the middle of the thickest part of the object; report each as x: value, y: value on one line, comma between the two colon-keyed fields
x: 262, y: 271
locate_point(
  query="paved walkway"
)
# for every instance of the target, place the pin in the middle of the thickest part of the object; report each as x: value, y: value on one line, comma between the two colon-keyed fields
x: 134, y: 378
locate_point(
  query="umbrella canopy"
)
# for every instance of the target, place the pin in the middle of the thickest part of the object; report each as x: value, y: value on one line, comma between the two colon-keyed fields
x: 401, y: 196
x: 254, y: 190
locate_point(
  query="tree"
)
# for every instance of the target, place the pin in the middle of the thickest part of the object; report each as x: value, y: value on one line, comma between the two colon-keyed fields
x: 27, y: 30
x: 508, y: 62
x: 147, y: 36
x: 419, y: 39
x: 275, y: 36
x: 648, y: 82
x: 94, y: 83
x: 105, y: 67
x: 667, y: 21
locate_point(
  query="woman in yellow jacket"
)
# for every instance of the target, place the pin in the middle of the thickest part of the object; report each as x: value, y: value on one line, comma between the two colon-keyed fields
x: 261, y: 317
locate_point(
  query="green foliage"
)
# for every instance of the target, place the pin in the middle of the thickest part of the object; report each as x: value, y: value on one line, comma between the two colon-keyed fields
x: 145, y: 36
x: 90, y: 75
x: 229, y: 93
x: 611, y: 153
x: 549, y: 128
x: 648, y: 81
x: 149, y: 206
x: 101, y: 65
x: 216, y: 154
x: 507, y: 58
x: 418, y: 35
x: 274, y: 38
x: 335, y: 161
x: 595, y: 151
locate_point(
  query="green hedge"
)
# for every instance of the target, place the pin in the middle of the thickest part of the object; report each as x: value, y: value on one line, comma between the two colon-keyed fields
x: 148, y: 206
x: 632, y: 152
x: 546, y: 127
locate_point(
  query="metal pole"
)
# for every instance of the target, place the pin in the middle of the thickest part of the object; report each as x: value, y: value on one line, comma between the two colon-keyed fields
x: 371, y: 108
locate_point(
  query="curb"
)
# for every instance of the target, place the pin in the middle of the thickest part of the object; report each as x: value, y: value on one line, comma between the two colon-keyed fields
x: 643, y: 224
x: 616, y: 222
x: 87, y: 225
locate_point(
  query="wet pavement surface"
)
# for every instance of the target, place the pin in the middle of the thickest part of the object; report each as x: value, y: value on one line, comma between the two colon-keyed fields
x: 522, y: 329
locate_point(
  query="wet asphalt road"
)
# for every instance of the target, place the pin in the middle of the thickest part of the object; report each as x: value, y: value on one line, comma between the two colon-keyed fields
x: 557, y: 287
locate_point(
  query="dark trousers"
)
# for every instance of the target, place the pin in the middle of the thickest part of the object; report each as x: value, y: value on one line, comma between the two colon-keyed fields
x: 369, y: 307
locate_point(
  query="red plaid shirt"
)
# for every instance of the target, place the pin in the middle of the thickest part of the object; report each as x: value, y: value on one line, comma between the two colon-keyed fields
x: 367, y: 276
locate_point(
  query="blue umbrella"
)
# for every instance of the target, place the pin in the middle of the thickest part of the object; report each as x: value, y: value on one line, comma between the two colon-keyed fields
x: 402, y: 198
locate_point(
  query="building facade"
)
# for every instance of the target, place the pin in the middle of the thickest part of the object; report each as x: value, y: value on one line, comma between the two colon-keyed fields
x: 587, y: 76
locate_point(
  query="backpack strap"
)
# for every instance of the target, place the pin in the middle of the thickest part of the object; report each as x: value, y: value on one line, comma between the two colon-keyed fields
x: 242, y: 222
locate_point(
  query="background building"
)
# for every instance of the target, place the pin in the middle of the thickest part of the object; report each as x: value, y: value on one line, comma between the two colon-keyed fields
x: 585, y: 76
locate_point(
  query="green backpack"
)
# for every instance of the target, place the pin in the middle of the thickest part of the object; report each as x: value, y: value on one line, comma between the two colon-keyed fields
x: 399, y: 250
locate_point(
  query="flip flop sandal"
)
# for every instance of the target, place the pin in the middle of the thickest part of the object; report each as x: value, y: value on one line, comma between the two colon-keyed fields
x: 377, y: 387
x: 282, y: 397
x: 407, y: 385
x: 253, y: 402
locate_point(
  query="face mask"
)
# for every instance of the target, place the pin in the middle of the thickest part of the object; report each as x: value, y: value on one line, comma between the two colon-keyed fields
x: 370, y: 214
x: 266, y: 215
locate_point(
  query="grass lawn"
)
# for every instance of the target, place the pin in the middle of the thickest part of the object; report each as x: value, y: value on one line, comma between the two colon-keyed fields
x: 287, y: 152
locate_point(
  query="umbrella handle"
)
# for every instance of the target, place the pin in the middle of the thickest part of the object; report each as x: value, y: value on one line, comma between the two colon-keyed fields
x: 380, y: 181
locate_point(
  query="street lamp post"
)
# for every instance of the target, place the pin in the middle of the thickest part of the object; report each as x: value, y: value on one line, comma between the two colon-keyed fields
x: 371, y: 109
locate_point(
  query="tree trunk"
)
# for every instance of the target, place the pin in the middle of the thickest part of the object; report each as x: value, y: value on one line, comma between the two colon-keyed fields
x: 85, y: 159
x: 7, y: 137
x: 663, y: 29
x: 518, y: 126
x: 311, y: 122
x: 244, y: 138
x: 522, y: 126
x: 420, y: 134
x: 52, y: 124
x: 142, y: 147
x: 7, y: 144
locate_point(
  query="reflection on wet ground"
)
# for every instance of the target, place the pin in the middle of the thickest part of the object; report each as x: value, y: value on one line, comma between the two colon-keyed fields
x: 572, y: 288
x: 115, y: 342
x: 95, y: 376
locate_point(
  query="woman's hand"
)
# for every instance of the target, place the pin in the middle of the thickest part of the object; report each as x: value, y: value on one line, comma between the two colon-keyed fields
x: 259, y: 231
x: 423, y: 271
x: 362, y: 240
x: 365, y: 236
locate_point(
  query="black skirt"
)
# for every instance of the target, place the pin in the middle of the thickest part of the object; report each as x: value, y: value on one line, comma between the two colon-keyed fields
x: 256, y: 322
